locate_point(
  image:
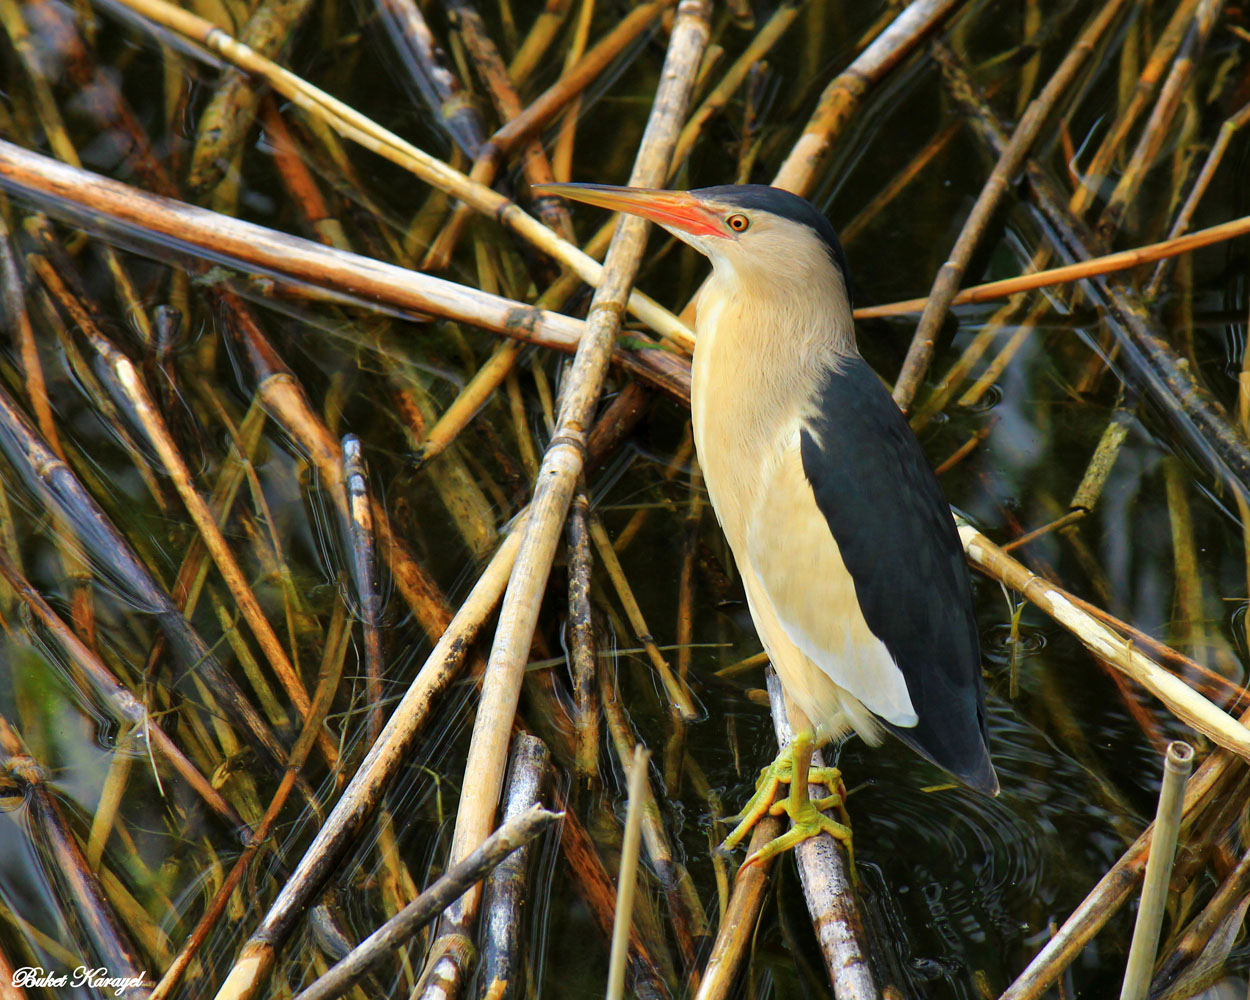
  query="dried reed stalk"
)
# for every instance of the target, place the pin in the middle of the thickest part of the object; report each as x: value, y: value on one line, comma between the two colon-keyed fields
x: 1090, y: 181
x: 12, y: 287
x: 598, y: 889
x: 562, y: 154
x: 583, y: 650
x: 563, y: 462
x: 147, y: 414
x: 511, y: 836
x: 1165, y: 376
x: 359, y: 529
x: 543, y: 32
x: 839, y: 101
x: 679, y: 694
x: 435, y: 82
x: 32, y: 457
x: 1178, y: 762
x: 285, y: 398
x: 508, y: 887
x: 125, y: 707
x: 1216, y: 154
x: 738, y: 923
x: 1206, y: 787
x: 390, y: 752
x: 323, y: 696
x: 221, y: 237
x: 1197, y: 936
x: 540, y: 112
x: 1125, y: 260
x: 828, y: 882
x: 685, y: 910
x: 298, y: 179
x: 493, y: 72
x: 368, y: 784
x: 733, y: 77
x: 1156, y: 129
x: 627, y: 880
x: 230, y: 113
x: 1113, y: 143
x: 89, y: 199
x: 951, y: 273
x: 112, y: 112
x: 1182, y: 700
x: 357, y: 127
x: 104, y: 933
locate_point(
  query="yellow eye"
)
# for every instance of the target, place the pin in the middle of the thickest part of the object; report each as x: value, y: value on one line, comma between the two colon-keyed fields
x: 738, y: 223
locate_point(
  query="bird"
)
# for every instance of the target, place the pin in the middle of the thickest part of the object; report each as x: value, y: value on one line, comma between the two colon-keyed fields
x: 844, y: 542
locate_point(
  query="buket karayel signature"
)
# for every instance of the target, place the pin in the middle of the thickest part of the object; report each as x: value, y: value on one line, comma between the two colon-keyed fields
x: 100, y: 979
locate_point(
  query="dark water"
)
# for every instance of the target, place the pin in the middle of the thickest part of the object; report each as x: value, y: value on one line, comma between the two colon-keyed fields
x: 960, y: 890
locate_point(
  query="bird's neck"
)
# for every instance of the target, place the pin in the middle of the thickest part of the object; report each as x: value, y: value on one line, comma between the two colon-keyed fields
x: 761, y: 353
x: 776, y: 329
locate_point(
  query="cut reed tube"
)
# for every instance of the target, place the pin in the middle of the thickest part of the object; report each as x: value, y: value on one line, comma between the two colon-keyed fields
x: 1177, y: 764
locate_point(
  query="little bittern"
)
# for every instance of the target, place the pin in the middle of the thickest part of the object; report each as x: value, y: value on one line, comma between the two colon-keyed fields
x: 847, y: 550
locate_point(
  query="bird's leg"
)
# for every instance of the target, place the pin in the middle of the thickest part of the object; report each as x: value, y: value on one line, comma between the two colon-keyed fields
x: 793, y: 767
x: 761, y: 802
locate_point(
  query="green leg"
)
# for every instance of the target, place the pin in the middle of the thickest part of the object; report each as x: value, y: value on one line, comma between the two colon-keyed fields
x: 793, y: 767
x: 761, y: 803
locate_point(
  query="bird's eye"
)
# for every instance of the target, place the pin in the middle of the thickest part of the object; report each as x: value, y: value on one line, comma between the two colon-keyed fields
x: 738, y: 223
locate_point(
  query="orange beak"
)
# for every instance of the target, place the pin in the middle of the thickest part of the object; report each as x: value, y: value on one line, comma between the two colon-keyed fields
x: 671, y: 209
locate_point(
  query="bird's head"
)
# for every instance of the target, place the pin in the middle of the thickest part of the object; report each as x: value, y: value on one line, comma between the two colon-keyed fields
x: 751, y: 232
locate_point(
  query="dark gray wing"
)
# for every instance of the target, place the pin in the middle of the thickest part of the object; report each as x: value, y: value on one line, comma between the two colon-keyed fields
x: 894, y: 530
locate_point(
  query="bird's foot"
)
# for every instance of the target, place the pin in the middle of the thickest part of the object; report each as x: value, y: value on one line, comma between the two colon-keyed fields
x: 806, y: 814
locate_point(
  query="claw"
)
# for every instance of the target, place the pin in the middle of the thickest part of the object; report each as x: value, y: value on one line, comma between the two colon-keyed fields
x: 793, y: 767
x: 758, y: 806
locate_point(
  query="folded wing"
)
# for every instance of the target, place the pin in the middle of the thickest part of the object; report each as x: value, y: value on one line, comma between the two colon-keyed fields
x: 891, y: 617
